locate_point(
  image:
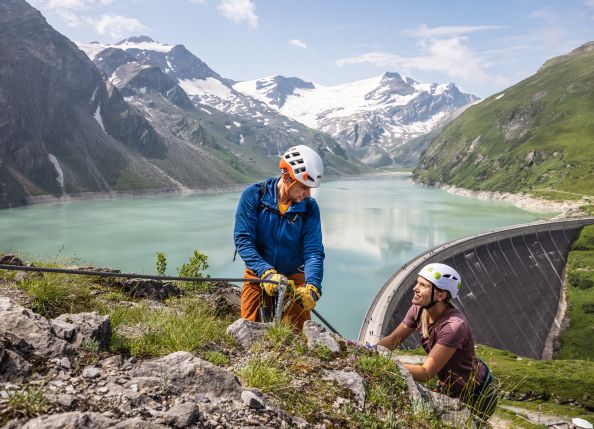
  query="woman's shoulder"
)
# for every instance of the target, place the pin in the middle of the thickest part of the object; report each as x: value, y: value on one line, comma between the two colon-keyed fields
x: 454, y: 319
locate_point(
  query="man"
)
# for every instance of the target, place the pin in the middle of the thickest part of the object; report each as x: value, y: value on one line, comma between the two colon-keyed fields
x: 279, y: 236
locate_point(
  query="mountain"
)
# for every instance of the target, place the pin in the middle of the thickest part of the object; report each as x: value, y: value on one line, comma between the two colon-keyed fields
x: 535, y: 136
x: 369, y: 118
x: 67, y: 129
x: 261, y: 127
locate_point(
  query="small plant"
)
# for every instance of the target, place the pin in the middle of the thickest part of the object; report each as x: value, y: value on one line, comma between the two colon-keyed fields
x: 263, y: 374
x: 280, y: 334
x: 322, y: 352
x: 194, y: 268
x: 27, y: 401
x: 161, y: 263
x: 90, y: 345
x: 216, y: 358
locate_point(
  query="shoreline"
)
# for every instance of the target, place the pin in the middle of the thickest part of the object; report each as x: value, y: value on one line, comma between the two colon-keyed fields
x: 557, y: 209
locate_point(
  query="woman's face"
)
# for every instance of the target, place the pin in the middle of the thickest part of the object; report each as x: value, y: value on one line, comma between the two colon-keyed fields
x: 422, y: 292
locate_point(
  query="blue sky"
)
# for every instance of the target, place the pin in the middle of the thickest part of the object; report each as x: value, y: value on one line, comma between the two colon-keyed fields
x: 483, y: 47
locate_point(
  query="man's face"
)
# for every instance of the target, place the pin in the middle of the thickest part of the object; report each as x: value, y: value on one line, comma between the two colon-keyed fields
x: 298, y: 192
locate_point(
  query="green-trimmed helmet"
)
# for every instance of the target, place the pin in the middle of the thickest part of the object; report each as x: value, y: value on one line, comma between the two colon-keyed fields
x: 443, y: 277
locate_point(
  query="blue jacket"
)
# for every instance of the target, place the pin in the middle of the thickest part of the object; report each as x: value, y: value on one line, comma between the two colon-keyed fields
x: 264, y: 239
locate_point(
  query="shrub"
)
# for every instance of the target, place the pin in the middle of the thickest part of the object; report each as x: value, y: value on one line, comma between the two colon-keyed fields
x: 581, y: 279
x: 194, y: 268
x: 161, y: 263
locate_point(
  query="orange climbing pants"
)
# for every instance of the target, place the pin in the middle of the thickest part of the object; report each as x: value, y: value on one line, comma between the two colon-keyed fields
x: 251, y: 298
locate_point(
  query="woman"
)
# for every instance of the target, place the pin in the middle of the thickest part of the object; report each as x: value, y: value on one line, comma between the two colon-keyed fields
x: 446, y: 337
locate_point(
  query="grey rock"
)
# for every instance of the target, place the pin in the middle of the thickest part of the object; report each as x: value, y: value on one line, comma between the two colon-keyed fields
x: 91, y: 372
x: 64, y: 400
x: 252, y: 400
x: 65, y: 363
x: 13, y: 367
x: 114, y: 362
x: 350, y: 380
x: 64, y: 330
x: 138, y: 423
x: 247, y: 333
x: 89, y: 327
x: 181, y: 372
x: 30, y: 331
x: 317, y: 335
x: 182, y: 415
x: 70, y: 420
x: 153, y: 289
x: 451, y: 410
x: 10, y: 259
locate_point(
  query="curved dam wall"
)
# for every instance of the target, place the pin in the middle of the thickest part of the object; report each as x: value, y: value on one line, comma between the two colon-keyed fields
x: 512, y: 281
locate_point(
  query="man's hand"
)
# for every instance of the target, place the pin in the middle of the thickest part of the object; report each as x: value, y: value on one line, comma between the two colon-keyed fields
x: 307, y: 296
x: 272, y: 274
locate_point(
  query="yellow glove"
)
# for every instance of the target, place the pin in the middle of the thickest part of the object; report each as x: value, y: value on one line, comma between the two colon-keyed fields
x: 271, y: 274
x: 308, y: 296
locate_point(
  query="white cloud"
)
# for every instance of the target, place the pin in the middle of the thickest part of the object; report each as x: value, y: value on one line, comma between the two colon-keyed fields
x: 298, y: 44
x: 65, y: 4
x: 240, y: 10
x: 198, y: 1
x: 546, y: 14
x: 443, y: 49
x: 118, y: 26
x: 425, y: 32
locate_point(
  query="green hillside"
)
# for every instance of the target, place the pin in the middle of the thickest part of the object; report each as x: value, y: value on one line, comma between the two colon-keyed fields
x: 535, y: 136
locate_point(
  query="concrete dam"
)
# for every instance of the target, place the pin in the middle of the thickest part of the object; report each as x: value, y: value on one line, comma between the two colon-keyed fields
x: 512, y: 286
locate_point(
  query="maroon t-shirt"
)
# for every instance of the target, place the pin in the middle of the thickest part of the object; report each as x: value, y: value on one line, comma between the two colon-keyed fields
x: 451, y: 330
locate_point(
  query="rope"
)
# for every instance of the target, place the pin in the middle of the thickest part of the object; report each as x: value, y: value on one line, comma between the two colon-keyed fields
x: 150, y: 277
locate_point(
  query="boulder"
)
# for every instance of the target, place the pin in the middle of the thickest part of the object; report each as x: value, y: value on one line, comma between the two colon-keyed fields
x: 89, y: 327
x: 248, y: 333
x: 152, y: 289
x: 317, y: 335
x: 184, y: 373
x: 30, y: 331
x: 10, y: 259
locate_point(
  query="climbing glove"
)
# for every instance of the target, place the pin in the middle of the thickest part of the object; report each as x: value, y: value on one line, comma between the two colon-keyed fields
x: 307, y: 296
x: 272, y: 274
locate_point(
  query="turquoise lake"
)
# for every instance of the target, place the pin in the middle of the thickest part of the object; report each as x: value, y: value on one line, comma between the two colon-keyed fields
x: 371, y: 226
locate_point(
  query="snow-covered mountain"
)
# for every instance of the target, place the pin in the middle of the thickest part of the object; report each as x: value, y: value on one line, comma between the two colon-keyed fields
x: 371, y: 117
x: 203, y: 85
x: 184, y: 98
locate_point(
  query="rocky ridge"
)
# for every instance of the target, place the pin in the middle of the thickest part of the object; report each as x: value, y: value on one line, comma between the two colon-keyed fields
x: 64, y: 369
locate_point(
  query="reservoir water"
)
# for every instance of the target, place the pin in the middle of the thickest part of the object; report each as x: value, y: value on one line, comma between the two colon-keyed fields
x: 371, y: 226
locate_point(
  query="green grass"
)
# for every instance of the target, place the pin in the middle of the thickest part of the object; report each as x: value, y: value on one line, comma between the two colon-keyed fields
x: 216, y: 358
x: 264, y: 374
x: 55, y: 294
x: 187, y: 324
x: 26, y: 401
x: 551, y: 408
x: 576, y: 340
x: 563, y: 381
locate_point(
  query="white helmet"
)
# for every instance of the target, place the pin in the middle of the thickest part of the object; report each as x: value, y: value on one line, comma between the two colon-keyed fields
x: 443, y: 277
x: 304, y: 165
